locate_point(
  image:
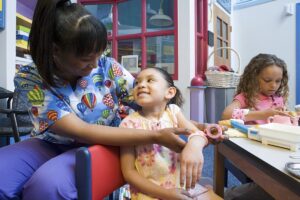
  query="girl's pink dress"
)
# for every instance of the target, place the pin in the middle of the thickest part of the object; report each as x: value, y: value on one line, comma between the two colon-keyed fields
x: 262, y: 103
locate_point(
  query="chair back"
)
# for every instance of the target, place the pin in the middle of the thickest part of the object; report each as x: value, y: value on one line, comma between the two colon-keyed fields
x: 15, y: 121
x: 20, y: 102
x: 98, y: 172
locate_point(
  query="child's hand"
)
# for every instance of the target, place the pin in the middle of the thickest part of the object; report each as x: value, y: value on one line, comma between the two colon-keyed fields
x: 191, y: 162
x: 277, y: 111
x: 178, y: 194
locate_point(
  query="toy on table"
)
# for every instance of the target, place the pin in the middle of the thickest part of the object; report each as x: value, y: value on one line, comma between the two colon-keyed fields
x: 213, y: 131
x: 293, y: 168
x: 281, y: 135
x: 280, y: 119
x: 239, y: 124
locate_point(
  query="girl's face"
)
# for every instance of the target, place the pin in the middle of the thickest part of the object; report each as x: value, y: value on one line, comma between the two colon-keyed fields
x: 72, y: 67
x: 151, y: 89
x: 270, y: 80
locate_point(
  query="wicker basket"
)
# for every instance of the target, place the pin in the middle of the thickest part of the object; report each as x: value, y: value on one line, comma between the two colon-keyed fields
x: 223, y: 79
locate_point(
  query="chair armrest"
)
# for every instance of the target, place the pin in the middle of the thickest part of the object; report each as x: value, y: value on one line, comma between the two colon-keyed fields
x: 98, y: 171
x: 4, y: 93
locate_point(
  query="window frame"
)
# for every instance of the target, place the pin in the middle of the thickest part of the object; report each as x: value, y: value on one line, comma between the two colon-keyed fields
x: 114, y: 38
x: 201, y: 23
x: 224, y: 17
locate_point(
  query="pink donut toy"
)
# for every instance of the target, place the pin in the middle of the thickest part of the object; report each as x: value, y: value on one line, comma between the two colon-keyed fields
x: 213, y: 131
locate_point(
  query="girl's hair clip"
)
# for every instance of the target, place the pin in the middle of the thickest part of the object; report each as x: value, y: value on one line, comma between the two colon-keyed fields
x: 63, y: 3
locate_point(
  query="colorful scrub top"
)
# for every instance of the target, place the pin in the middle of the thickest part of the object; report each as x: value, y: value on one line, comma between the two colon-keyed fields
x: 262, y: 103
x: 157, y: 163
x: 95, y: 99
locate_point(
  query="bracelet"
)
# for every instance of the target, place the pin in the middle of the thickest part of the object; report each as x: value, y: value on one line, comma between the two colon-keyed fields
x: 239, y: 113
x: 198, y: 133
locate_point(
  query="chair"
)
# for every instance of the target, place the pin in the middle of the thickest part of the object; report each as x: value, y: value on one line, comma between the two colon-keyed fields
x: 14, y: 119
x: 98, y: 172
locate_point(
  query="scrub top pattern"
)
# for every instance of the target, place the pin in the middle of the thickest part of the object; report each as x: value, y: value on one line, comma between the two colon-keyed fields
x: 97, y: 98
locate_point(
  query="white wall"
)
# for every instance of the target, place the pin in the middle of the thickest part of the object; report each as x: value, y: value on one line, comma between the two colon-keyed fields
x: 266, y: 28
x: 8, y: 47
x: 186, y: 50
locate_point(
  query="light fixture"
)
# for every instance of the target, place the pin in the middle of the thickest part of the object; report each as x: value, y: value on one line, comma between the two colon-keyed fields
x: 108, y: 20
x: 160, y: 19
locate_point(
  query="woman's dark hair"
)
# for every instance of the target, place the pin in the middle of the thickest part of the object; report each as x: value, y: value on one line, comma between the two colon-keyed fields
x: 248, y: 84
x: 177, y: 99
x: 67, y: 25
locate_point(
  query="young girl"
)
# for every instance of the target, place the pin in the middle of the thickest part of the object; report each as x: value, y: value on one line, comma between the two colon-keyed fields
x: 153, y: 170
x: 262, y: 91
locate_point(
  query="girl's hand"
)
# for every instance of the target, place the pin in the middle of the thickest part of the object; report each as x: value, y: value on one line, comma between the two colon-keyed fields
x: 168, y: 137
x: 191, y: 162
x: 277, y: 111
x: 177, y: 194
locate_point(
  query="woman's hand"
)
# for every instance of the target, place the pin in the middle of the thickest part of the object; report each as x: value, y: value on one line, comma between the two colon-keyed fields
x: 177, y: 194
x: 191, y: 162
x: 168, y: 137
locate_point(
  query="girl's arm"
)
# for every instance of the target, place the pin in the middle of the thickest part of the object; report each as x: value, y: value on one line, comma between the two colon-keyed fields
x: 142, y: 184
x: 72, y: 126
x: 251, y: 114
x: 191, y: 161
x: 227, y: 113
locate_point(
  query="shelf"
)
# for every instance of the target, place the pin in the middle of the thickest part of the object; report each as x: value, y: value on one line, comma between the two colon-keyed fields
x: 24, y: 21
x: 21, y: 44
x: 23, y: 61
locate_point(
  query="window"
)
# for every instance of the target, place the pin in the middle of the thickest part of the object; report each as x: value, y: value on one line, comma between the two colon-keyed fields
x: 146, y: 28
x: 222, y: 37
x: 201, y: 36
x: 239, y: 4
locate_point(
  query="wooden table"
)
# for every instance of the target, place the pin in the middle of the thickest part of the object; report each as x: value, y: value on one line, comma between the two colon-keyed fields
x: 263, y: 164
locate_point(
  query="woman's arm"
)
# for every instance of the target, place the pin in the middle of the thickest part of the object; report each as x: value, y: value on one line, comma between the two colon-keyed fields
x: 72, y: 126
x: 142, y: 184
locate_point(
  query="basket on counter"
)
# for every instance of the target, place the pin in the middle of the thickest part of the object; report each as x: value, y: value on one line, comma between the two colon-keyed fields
x: 223, y: 79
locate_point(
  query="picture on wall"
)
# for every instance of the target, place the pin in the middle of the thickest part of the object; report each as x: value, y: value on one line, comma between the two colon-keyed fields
x: 130, y: 62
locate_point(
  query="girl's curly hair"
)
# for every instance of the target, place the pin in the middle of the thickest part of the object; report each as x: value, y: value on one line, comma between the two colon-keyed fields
x: 249, y: 82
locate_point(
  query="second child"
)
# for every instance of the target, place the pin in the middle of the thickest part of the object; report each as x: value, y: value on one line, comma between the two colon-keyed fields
x: 262, y: 91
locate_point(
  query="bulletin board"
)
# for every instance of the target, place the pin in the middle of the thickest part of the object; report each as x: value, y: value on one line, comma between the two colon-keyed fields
x: 2, y: 14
